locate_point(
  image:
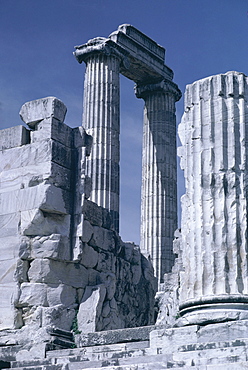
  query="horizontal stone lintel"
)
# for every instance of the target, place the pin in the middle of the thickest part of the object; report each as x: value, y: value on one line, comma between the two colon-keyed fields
x: 141, y: 64
x: 142, y: 60
x: 142, y: 39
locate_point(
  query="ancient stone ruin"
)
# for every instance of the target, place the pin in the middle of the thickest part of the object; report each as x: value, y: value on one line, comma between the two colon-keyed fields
x: 73, y: 294
x: 131, y: 53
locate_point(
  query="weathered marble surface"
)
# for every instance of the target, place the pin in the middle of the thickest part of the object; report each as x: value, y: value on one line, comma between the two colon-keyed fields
x: 159, y: 175
x: 58, y: 248
x: 101, y: 119
x: 213, y: 155
x: 38, y: 110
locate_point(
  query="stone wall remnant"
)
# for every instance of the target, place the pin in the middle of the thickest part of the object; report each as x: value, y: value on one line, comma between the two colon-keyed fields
x: 58, y: 248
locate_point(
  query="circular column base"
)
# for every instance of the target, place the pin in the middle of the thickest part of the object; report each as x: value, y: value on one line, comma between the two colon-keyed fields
x: 213, y: 309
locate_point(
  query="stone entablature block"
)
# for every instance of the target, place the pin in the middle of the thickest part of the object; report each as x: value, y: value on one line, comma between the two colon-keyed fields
x: 146, y: 59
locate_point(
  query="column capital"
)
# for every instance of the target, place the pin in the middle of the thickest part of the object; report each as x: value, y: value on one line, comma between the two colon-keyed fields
x: 165, y: 86
x: 100, y: 45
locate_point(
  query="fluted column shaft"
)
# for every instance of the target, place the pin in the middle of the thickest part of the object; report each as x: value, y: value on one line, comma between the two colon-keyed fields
x: 214, y: 134
x: 101, y: 119
x: 159, y: 175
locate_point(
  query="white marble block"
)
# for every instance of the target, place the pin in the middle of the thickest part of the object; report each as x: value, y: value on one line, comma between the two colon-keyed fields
x: 35, y: 111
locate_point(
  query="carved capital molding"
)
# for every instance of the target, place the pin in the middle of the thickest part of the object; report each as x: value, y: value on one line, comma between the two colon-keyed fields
x: 164, y: 86
x: 100, y: 45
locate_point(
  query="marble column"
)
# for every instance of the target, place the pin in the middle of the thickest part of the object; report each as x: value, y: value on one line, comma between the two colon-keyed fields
x: 159, y: 174
x: 101, y: 119
x: 214, y: 152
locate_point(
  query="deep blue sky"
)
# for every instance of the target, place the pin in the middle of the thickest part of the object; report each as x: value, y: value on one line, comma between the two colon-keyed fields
x: 37, y: 38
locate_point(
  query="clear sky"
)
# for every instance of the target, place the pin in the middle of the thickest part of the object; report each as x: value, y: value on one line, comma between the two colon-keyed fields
x: 37, y: 38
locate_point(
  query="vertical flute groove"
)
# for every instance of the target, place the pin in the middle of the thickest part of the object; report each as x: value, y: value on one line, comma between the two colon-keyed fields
x: 158, y: 194
x: 214, y: 154
x: 101, y: 120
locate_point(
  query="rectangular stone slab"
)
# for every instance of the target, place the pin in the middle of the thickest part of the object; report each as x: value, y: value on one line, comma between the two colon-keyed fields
x: 14, y: 136
x: 114, y: 336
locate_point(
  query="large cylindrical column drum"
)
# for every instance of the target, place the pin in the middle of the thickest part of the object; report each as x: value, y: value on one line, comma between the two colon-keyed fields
x: 214, y: 152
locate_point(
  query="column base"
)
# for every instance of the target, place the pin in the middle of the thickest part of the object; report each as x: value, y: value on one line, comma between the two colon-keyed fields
x: 213, y: 309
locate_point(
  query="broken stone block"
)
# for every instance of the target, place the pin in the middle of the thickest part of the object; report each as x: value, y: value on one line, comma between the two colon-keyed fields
x: 55, y: 246
x: 24, y: 248
x: 32, y: 316
x: 21, y: 272
x: 61, y: 294
x: 97, y: 215
x: 52, y: 129
x: 35, y: 174
x: 33, y: 294
x: 56, y: 200
x: 106, y: 262
x: 35, y: 222
x: 109, y: 281
x: 35, y: 111
x: 55, y: 272
x: 103, y: 239
x: 46, y: 197
x: 82, y: 139
x: 58, y: 176
x: 37, y: 153
x: 41, y: 271
x: 37, y: 351
x: 14, y: 136
x: 89, y: 257
x: 87, y: 231
x: 58, y: 316
x: 90, y: 308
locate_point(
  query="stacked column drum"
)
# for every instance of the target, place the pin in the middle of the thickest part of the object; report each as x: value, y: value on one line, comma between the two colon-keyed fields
x: 214, y: 136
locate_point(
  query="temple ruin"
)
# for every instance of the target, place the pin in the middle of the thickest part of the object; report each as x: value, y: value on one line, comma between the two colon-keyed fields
x: 136, y: 56
x: 74, y: 295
